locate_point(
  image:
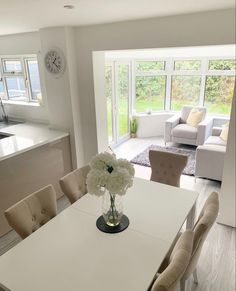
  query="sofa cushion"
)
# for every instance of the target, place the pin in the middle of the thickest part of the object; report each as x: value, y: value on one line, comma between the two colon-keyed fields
x: 184, y: 131
x: 215, y: 140
x: 224, y: 132
x: 195, y: 117
x: 186, y: 110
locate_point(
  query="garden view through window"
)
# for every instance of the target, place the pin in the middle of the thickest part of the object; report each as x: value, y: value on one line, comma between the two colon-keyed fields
x: 19, y: 79
x: 167, y: 84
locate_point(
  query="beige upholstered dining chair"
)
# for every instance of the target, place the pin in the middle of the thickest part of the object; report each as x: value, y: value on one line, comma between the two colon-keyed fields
x: 73, y: 185
x: 167, y: 167
x: 201, y: 229
x: 32, y: 212
x: 178, y: 262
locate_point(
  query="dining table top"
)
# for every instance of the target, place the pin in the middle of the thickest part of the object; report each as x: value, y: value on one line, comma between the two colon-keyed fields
x: 70, y: 253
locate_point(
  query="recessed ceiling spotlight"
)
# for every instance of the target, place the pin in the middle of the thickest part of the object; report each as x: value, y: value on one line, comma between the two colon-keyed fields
x: 69, y: 6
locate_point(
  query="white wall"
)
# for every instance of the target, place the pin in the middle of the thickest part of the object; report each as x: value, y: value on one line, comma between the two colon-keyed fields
x: 208, y: 28
x: 58, y: 89
x: 152, y: 125
x: 62, y: 92
x: 25, y: 43
x: 71, y: 99
x: 74, y: 94
x: 227, y: 193
x: 60, y: 95
x: 100, y: 100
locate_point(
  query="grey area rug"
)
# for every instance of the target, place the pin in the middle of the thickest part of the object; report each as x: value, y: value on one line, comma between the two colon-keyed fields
x: 143, y: 158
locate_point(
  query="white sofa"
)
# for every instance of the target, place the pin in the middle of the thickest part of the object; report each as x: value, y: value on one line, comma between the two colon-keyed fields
x: 176, y: 129
x: 210, y: 157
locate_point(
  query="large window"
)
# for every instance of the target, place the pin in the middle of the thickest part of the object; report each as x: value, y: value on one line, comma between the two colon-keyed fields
x: 19, y: 79
x: 184, y: 90
x: 218, y: 93
x: 150, y: 86
x: 108, y: 91
x: 219, y: 86
x: 163, y: 85
x: 169, y: 84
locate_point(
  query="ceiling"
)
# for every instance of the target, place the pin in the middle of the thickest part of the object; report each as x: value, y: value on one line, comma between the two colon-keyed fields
x: 30, y: 15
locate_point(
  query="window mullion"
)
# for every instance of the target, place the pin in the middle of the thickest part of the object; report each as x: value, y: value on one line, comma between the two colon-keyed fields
x: 204, y: 68
x: 27, y: 78
x: 169, y: 71
x: 3, y: 80
x: 133, y: 86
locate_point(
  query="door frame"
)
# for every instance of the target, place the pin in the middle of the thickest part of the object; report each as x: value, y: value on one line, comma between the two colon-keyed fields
x: 116, y: 140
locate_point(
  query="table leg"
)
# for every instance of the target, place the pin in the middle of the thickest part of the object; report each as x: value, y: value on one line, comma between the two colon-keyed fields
x: 191, y: 217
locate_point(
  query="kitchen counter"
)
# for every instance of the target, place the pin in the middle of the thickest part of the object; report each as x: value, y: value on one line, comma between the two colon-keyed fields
x: 31, y: 157
x: 26, y: 136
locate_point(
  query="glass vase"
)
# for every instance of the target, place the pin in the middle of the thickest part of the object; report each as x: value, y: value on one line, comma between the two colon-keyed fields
x: 112, y: 209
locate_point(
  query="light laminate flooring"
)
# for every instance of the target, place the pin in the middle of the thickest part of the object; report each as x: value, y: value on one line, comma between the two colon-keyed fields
x: 216, y: 268
x: 217, y: 263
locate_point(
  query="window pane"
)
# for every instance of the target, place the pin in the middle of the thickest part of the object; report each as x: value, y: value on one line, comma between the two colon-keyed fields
x: 222, y: 65
x: 1, y: 89
x: 185, y: 90
x: 147, y: 66
x: 108, y: 92
x: 123, y: 99
x: 16, y: 88
x: 34, y: 80
x: 12, y: 66
x: 187, y: 65
x: 150, y: 93
x: 219, y: 93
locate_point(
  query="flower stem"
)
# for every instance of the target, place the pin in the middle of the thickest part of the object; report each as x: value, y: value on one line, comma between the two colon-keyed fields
x: 113, y: 208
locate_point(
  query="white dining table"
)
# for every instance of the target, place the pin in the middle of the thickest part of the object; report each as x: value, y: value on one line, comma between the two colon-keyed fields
x: 69, y: 253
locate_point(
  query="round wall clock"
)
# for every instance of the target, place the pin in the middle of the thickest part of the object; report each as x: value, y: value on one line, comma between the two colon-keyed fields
x: 55, y: 62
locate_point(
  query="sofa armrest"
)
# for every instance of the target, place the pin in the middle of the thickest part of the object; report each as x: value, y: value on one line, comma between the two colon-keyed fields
x: 204, y: 130
x: 216, y: 130
x: 210, y: 161
x: 169, y: 124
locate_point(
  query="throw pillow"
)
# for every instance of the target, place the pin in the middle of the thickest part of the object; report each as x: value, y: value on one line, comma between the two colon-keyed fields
x: 224, y: 132
x: 195, y: 117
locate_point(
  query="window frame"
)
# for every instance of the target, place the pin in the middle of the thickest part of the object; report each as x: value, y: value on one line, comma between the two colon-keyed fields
x: 24, y: 73
x: 170, y: 71
x: 150, y: 74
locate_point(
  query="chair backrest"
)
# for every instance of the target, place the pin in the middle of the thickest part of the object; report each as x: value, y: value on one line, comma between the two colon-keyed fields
x: 203, y: 225
x: 73, y: 185
x: 179, y: 261
x: 35, y: 210
x: 167, y: 167
x: 186, y: 110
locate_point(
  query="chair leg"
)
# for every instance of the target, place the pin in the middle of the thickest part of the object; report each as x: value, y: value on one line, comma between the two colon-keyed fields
x: 182, y: 285
x: 195, y: 179
x: 195, y: 279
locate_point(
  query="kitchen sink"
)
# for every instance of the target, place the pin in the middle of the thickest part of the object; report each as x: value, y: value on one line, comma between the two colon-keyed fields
x: 4, y: 124
x: 4, y: 135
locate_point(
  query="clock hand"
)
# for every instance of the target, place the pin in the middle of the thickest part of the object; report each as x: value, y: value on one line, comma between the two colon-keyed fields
x: 55, y: 65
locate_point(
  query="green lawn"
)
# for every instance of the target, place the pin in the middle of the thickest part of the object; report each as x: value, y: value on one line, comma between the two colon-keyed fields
x: 154, y: 104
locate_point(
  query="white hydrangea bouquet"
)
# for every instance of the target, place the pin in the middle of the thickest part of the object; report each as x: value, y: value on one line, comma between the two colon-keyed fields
x: 110, y: 177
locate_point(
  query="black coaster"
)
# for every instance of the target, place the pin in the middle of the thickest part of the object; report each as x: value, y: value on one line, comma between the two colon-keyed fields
x: 101, y: 225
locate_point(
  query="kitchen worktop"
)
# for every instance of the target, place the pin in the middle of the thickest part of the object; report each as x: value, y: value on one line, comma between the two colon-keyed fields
x: 26, y: 136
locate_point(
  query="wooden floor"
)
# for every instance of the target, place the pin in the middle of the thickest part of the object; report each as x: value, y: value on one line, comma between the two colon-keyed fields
x: 217, y: 263
x: 216, y: 268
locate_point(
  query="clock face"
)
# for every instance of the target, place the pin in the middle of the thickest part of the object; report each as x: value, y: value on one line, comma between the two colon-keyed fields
x: 54, y: 62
